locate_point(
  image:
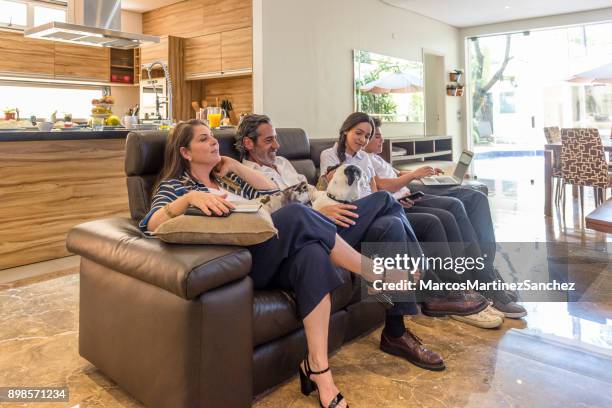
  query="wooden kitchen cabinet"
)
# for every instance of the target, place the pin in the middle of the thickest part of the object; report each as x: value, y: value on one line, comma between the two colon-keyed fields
x: 237, y: 50
x: 202, y: 55
x: 155, y: 51
x: 25, y: 57
x: 81, y: 62
x: 217, y: 55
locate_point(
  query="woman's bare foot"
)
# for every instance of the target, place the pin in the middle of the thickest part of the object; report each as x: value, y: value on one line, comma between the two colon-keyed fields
x: 325, y: 384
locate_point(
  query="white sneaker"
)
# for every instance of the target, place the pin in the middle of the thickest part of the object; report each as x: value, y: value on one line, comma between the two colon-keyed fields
x: 484, y: 319
x: 494, y: 311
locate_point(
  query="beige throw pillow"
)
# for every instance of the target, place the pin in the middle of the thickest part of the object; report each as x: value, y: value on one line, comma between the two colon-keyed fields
x: 241, y: 229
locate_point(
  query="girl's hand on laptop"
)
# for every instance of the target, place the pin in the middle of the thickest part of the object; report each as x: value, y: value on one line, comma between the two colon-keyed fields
x: 424, y: 171
x: 438, y: 171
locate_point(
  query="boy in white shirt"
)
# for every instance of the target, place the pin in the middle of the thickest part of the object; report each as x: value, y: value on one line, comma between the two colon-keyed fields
x: 476, y: 206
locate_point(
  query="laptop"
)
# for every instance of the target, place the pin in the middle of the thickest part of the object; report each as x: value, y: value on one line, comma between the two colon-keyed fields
x: 457, y: 178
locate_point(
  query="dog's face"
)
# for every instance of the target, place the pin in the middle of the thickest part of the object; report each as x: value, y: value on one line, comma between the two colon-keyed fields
x: 346, y: 184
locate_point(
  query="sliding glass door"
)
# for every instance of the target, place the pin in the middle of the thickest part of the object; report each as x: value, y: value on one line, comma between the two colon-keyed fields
x: 521, y: 82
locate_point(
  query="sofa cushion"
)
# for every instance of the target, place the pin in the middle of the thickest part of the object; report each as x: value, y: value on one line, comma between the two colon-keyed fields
x: 242, y: 229
x: 275, y: 315
x: 144, y: 152
x: 139, y: 194
x: 307, y: 168
x: 185, y: 270
x: 317, y: 146
x: 294, y: 143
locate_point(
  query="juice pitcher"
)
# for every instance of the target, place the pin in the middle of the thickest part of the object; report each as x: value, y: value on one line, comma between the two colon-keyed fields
x: 214, y: 116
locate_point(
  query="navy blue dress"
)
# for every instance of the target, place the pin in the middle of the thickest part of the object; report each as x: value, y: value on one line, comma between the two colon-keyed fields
x: 298, y: 259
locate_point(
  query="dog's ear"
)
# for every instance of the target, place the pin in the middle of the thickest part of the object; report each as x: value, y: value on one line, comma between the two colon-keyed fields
x: 352, y: 173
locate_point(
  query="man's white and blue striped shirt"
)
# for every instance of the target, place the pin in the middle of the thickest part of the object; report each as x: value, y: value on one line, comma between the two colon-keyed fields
x: 170, y: 190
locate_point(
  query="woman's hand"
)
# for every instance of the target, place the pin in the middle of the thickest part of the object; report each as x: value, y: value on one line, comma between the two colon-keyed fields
x: 210, y: 203
x: 340, y: 214
x: 226, y: 165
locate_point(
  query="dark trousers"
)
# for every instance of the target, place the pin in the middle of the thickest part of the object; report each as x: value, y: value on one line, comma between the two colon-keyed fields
x: 448, y: 209
x: 478, y: 211
x: 382, y: 219
x: 432, y: 236
x: 298, y: 259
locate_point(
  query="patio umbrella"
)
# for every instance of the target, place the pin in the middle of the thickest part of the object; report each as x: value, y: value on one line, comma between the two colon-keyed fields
x: 599, y: 75
x: 395, y: 82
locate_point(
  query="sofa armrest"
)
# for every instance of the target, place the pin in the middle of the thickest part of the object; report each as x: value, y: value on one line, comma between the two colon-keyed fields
x: 185, y: 270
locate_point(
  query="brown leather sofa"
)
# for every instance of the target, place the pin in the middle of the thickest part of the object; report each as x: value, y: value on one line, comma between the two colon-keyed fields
x: 180, y: 325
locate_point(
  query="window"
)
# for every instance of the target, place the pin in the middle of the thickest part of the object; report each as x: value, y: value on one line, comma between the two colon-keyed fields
x: 43, y: 14
x: 42, y: 100
x: 20, y: 14
x: 13, y: 14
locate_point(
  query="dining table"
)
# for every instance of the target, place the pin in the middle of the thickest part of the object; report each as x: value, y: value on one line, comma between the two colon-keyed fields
x: 550, y: 150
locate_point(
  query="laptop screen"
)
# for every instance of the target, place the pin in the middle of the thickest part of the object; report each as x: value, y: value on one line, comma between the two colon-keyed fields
x: 462, y: 166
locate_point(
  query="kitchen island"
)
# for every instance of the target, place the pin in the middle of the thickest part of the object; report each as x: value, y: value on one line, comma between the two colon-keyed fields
x: 52, y: 181
x: 31, y: 136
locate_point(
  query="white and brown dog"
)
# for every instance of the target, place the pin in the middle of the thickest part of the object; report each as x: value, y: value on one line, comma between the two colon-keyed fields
x: 345, y: 187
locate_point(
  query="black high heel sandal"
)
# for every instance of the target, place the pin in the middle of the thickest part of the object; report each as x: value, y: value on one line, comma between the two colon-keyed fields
x: 307, y: 386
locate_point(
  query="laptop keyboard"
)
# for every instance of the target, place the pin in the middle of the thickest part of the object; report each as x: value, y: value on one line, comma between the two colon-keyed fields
x: 446, y: 179
x: 439, y: 180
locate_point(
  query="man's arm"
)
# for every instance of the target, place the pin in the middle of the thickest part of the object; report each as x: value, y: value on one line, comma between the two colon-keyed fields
x: 393, y: 184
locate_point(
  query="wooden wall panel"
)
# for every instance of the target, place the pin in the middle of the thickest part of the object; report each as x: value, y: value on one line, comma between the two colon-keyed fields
x: 226, y: 15
x: 193, y: 18
x: 47, y: 187
x: 239, y: 90
x: 24, y: 56
x: 184, y: 19
x: 237, y: 49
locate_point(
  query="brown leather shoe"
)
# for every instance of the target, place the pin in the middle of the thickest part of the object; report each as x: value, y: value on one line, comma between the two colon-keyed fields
x: 458, y: 304
x: 410, y: 347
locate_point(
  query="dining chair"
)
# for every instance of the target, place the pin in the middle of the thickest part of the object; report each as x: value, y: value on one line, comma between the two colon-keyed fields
x: 553, y: 135
x: 583, y: 164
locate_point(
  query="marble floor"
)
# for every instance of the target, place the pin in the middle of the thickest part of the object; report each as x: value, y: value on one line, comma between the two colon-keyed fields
x: 559, y: 355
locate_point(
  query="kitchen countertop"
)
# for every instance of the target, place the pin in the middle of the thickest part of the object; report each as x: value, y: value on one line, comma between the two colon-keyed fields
x: 34, y: 135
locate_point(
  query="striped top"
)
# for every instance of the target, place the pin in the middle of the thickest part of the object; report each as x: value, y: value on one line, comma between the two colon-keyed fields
x: 170, y: 190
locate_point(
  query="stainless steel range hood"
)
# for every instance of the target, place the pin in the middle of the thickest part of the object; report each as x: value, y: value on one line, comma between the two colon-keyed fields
x: 94, y: 22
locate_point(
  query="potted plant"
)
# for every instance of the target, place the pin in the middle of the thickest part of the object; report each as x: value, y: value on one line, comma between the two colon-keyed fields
x: 451, y: 90
x: 455, y: 76
x: 10, y: 113
x: 459, y: 91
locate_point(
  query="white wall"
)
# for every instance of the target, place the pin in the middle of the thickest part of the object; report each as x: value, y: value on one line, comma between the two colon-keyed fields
x: 308, y: 60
